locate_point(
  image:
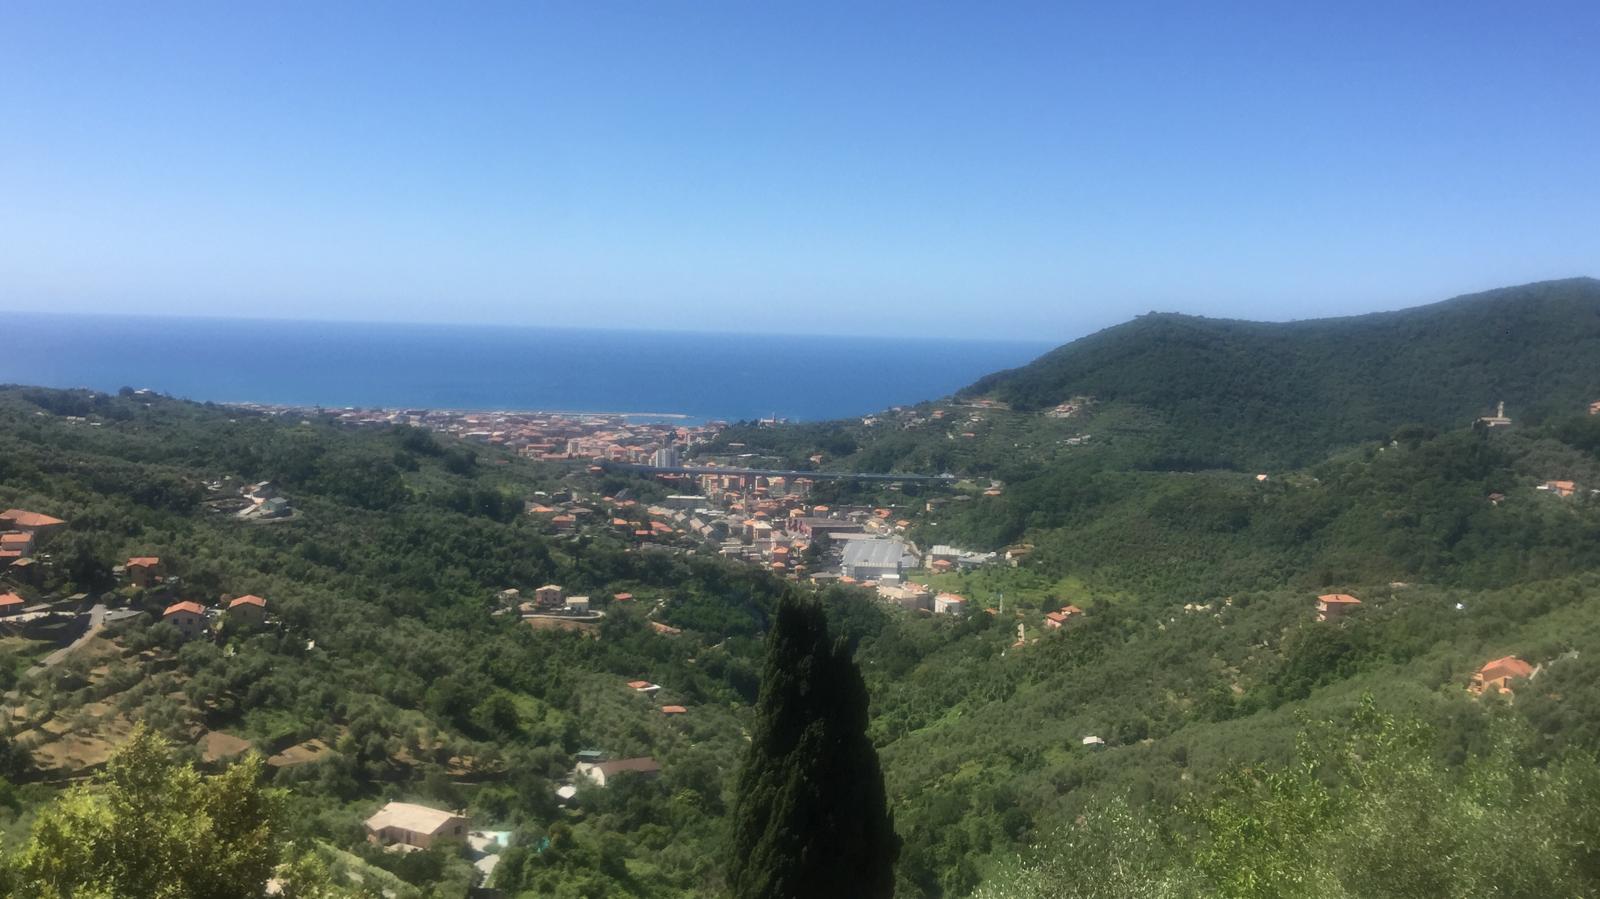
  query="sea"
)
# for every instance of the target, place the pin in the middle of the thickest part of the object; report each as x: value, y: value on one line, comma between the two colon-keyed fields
x: 700, y: 376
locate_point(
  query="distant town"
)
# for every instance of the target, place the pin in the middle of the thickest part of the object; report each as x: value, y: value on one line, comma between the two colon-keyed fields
x: 759, y: 517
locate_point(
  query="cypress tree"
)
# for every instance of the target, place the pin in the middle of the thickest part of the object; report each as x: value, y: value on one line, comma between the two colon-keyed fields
x: 811, y: 818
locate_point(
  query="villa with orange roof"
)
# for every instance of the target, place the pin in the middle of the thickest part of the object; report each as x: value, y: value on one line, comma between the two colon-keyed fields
x: 36, y: 523
x: 144, y: 570
x: 248, y: 609
x: 1054, y: 620
x: 188, y: 617
x: 1331, y: 606
x: 1498, y: 675
x: 11, y: 604
x: 1560, y: 488
x: 16, y: 543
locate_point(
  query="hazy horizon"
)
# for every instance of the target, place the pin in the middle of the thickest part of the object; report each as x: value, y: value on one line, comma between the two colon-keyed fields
x: 1036, y: 170
x: 1042, y: 342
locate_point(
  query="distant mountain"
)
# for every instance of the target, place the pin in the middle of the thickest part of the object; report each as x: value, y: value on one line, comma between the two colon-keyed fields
x: 1236, y: 392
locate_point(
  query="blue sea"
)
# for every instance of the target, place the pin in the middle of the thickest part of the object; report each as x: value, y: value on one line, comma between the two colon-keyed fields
x: 702, y: 376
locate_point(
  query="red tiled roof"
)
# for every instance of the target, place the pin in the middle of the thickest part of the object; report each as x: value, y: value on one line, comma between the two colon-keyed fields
x: 673, y: 710
x: 1506, y: 666
x: 1339, y: 598
x: 185, y: 606
x: 621, y: 597
x: 7, y: 600
x: 26, y: 519
x: 248, y: 599
x: 144, y: 562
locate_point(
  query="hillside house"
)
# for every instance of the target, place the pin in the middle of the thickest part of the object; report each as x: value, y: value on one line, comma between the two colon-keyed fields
x: 188, y: 617
x: 550, y: 596
x: 408, y: 824
x: 578, y: 604
x: 1055, y: 620
x: 644, y: 686
x: 602, y: 773
x: 1332, y: 606
x: 24, y: 570
x: 949, y: 604
x: 912, y: 597
x: 1092, y: 742
x: 1496, y: 676
x: 16, y: 544
x: 249, y: 610
x: 36, y: 523
x: 144, y: 571
x: 11, y: 604
x: 674, y: 710
x: 1560, y: 488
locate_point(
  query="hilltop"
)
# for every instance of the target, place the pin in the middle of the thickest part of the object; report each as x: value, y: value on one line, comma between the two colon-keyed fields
x: 1243, y: 394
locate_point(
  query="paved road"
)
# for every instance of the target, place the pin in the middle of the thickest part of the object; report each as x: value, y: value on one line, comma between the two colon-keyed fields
x: 97, y: 620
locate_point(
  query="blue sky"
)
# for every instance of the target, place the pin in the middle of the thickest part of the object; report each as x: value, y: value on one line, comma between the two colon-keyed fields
x: 1003, y: 170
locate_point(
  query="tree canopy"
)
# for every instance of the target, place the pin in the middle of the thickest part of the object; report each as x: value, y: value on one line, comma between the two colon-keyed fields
x: 811, y: 818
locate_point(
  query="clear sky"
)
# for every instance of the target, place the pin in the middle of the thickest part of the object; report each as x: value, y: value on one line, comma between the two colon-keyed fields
x: 986, y: 169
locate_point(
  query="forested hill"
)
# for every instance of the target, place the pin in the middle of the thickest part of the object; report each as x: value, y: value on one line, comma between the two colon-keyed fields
x: 1254, y: 393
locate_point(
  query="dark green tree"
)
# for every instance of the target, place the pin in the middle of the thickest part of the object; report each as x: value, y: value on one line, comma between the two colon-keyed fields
x: 811, y: 818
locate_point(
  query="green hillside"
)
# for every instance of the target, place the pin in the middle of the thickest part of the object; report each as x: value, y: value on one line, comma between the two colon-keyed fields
x: 1256, y: 394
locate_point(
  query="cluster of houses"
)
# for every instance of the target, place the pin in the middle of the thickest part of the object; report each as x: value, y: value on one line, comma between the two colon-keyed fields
x: 651, y: 440
x: 264, y: 502
x: 1059, y: 618
x: 195, y: 620
x: 1562, y: 489
x: 745, y: 517
x: 551, y: 601
x: 21, y: 534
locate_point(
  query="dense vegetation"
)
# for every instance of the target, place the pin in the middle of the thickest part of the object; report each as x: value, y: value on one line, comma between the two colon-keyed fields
x: 387, y: 667
x: 811, y: 819
x: 1255, y: 394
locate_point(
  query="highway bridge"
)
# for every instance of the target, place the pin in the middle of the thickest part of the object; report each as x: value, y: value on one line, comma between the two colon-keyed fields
x: 779, y: 473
